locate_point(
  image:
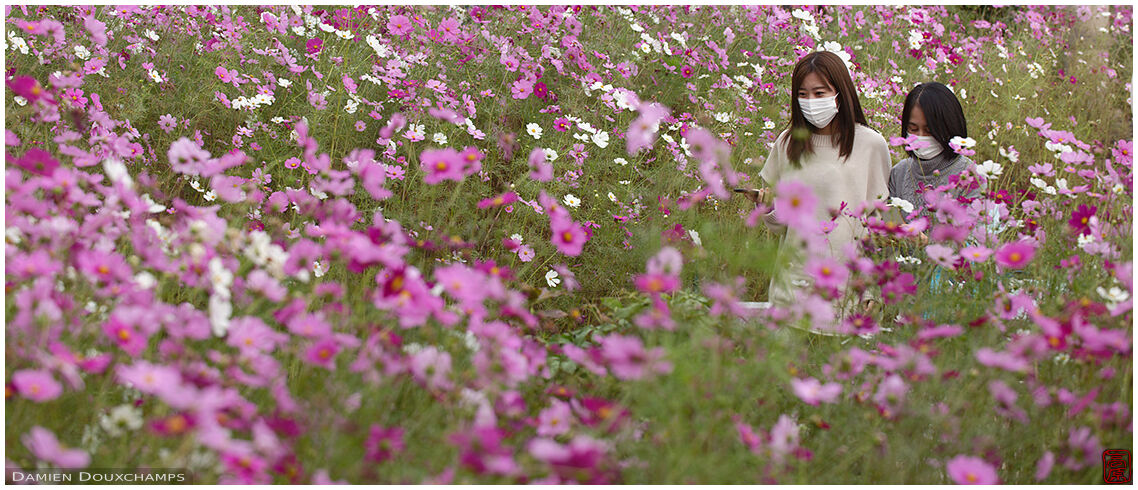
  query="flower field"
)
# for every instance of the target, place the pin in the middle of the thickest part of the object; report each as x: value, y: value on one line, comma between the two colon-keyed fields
x: 500, y: 245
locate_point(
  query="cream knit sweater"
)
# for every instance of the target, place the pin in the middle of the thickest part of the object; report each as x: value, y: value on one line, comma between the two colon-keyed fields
x: 862, y: 176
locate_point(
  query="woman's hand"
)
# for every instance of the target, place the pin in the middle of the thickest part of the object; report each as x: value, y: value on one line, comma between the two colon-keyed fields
x: 757, y: 196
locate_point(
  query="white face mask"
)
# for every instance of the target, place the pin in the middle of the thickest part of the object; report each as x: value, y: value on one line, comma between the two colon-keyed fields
x: 933, y: 149
x: 819, y: 112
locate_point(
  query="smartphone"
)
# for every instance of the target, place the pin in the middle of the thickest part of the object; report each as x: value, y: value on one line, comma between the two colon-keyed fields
x: 740, y: 189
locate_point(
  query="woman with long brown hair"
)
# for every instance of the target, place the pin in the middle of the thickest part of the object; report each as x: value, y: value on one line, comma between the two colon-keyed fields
x: 829, y: 148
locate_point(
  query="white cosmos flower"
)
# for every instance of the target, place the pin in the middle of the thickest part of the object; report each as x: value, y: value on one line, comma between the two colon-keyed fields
x: 612, y: 197
x: 990, y: 169
x: 154, y: 75
x: 210, y: 196
x: 1114, y: 295
x: 439, y: 138
x: 552, y: 278
x: 963, y: 142
x: 284, y: 82
x: 219, y: 311
x: 1040, y: 183
x: 319, y: 269
x: 516, y: 237
x: 695, y: 238
x: 82, y: 52
x: 571, y: 201
x: 905, y: 206
x: 344, y: 34
x: 20, y: 101
x: 121, y: 417
x: 550, y: 155
x: 621, y: 161
x: 116, y: 171
x: 723, y: 117
x: 601, y: 139
x: 533, y: 129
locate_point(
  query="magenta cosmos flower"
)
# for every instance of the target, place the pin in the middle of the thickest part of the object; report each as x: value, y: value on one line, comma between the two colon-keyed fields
x: 968, y: 470
x: 1081, y: 219
x: 440, y: 165
x: 499, y: 200
x: 314, y: 45
x: 1015, y: 255
x: 568, y: 236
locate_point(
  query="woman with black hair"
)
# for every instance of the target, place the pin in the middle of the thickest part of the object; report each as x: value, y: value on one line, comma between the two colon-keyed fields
x: 934, y: 115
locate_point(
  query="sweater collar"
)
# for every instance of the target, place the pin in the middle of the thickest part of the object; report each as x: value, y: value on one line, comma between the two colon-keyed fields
x: 926, y: 168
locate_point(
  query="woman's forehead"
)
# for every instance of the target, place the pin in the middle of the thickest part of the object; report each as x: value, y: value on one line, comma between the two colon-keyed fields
x: 814, y: 80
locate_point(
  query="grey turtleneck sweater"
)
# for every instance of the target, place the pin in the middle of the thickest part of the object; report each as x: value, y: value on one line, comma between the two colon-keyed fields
x: 908, y: 173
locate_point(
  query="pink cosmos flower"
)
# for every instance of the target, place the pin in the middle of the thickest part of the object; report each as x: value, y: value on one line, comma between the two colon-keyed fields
x: 656, y: 284
x: 36, y: 385
x: 525, y: 253
x: 323, y: 353
x: 44, y: 446
x: 795, y: 204
x: 431, y: 366
x: 521, y: 89
x: 942, y: 255
x: 968, y: 470
x: 686, y: 71
x: 311, y: 325
x: 975, y: 253
x: 627, y: 359
x: 1043, y: 468
x: 562, y: 124
x: 471, y: 159
x: 450, y: 29
x: 554, y: 420
x: 149, y: 378
x: 581, y: 460
x: 125, y: 335
x: 167, y: 122
x: 1015, y: 255
x: 400, y: 25
x: 827, y: 272
x: 642, y: 130
x: 812, y: 391
x: 251, y: 335
x: 223, y: 74
x: 97, y: 29
x: 567, y: 277
x: 440, y: 165
x: 498, y: 200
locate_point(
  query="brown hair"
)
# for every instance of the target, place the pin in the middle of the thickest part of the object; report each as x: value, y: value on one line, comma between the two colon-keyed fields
x: 833, y: 70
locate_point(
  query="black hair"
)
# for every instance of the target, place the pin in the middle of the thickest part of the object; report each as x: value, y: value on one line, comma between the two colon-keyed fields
x: 833, y: 71
x: 943, y: 113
